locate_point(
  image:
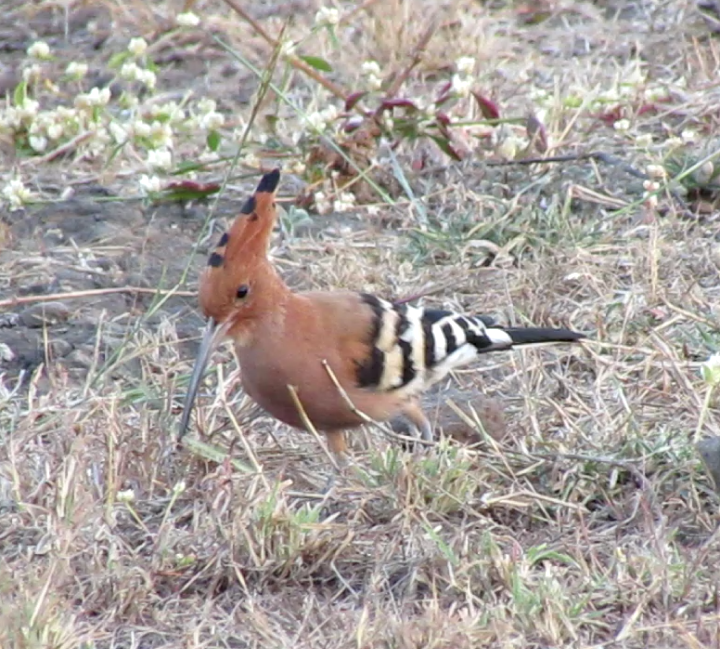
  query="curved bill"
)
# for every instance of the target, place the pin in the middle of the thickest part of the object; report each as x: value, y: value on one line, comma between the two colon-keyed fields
x: 210, y: 336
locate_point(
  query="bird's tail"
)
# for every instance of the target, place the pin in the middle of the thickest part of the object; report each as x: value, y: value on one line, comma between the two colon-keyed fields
x: 539, y: 335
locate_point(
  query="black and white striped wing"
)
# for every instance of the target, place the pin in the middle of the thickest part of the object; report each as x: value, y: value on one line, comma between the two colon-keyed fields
x: 413, y: 347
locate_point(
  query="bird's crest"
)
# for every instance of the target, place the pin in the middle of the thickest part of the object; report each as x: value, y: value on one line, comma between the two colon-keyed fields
x: 241, y: 253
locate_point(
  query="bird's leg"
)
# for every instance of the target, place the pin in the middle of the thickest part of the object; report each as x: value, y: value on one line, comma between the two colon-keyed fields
x: 337, y: 445
x: 415, y: 414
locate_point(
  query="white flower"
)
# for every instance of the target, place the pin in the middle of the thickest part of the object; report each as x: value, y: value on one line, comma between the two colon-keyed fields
x: 673, y: 142
x: 651, y: 185
x: 39, y: 50
x: 287, y: 47
x: 688, y: 136
x: 129, y: 70
x: 251, y: 160
x: 161, y: 134
x: 207, y: 105
x: 710, y: 370
x: 137, y: 46
x: 76, y: 70
x: 370, y: 67
x: 211, y: 121
x: 327, y: 16
x: 32, y: 72
x: 96, y: 97
x: 119, y: 134
x: 465, y: 64
x: 148, y: 78
x: 16, y: 193
x: 322, y: 205
x: 126, y: 496
x: 169, y: 111
x: 159, y: 158
x: 644, y: 140
x: 141, y: 129
x: 150, y: 184
x: 38, y: 143
x: 373, y: 82
x: 461, y: 85
x: 55, y: 131
x: 29, y: 109
x: 344, y: 202
x: 187, y: 19
x: 622, y: 125
x: 656, y: 171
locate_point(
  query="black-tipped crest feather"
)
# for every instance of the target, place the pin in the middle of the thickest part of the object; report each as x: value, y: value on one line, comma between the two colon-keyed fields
x: 269, y: 182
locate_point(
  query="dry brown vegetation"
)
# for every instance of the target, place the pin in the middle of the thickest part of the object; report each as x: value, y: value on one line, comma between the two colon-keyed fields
x: 583, y: 518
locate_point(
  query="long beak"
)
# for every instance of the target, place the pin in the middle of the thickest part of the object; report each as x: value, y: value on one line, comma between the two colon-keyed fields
x: 210, y: 337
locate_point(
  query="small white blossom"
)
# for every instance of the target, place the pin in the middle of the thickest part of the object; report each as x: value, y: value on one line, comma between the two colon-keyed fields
x: 39, y: 50
x: 148, y: 78
x: 150, y: 184
x: 327, y: 16
x: 32, y: 73
x: 161, y: 134
x: 76, y: 70
x: 621, y: 125
x: 96, y: 97
x: 322, y: 204
x: 141, y: 129
x: 211, y: 121
x: 55, y: 131
x: 119, y: 134
x: 373, y: 82
x: 207, y: 105
x: 320, y: 119
x: 465, y: 64
x: 651, y: 185
x: 170, y: 111
x: 251, y: 160
x: 159, y: 158
x: 16, y: 194
x: 644, y: 140
x: 297, y: 167
x: 287, y: 47
x: 38, y: 143
x: 126, y: 496
x: 461, y: 85
x: 129, y: 71
x: 344, y: 202
x: 656, y: 171
x: 29, y: 108
x: 137, y: 46
x: 187, y: 19
x: 673, y: 142
x: 688, y: 136
x: 370, y: 67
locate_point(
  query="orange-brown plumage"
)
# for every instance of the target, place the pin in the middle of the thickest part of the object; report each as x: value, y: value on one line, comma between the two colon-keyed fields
x: 383, y: 355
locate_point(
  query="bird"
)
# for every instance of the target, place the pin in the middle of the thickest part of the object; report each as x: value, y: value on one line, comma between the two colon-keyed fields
x: 330, y: 359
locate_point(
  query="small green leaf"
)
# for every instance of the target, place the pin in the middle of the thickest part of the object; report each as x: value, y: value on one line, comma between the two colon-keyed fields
x: 116, y: 60
x: 20, y: 94
x: 317, y: 63
x: 213, y: 140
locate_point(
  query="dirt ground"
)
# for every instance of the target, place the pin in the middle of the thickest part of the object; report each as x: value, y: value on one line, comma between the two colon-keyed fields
x: 565, y: 502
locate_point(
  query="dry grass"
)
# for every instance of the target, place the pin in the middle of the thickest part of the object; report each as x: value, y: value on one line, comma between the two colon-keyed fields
x: 591, y: 523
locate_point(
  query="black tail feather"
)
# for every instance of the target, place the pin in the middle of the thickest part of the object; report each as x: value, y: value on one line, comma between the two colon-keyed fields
x: 535, y: 335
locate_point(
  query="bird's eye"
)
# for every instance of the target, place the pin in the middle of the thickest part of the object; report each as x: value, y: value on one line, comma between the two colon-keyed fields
x: 242, y: 291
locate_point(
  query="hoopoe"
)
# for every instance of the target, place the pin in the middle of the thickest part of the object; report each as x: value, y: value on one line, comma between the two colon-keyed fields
x: 383, y: 355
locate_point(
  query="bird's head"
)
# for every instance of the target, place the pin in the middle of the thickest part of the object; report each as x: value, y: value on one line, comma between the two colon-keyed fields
x: 239, y: 283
